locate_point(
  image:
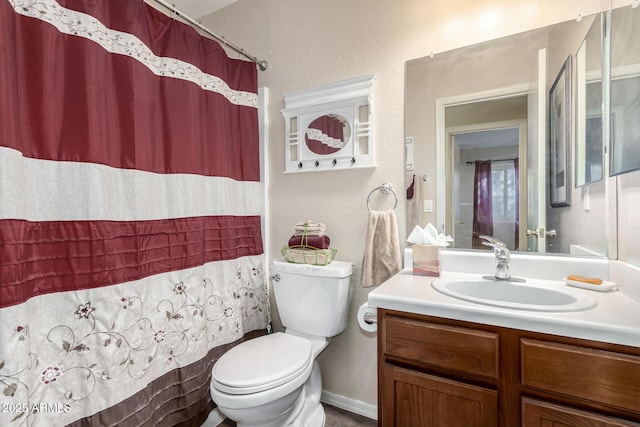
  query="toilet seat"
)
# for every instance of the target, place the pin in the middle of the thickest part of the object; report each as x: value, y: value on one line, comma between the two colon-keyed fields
x: 262, y: 363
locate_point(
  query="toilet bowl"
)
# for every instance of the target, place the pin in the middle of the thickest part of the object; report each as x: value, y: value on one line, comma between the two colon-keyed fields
x: 269, y: 390
x: 274, y: 380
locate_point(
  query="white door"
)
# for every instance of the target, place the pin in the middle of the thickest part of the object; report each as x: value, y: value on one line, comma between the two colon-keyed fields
x: 537, y: 167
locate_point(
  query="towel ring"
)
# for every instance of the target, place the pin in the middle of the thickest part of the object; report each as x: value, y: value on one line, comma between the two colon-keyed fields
x: 385, y: 188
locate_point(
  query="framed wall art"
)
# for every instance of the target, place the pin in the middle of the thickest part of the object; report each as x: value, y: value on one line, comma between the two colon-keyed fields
x: 560, y: 136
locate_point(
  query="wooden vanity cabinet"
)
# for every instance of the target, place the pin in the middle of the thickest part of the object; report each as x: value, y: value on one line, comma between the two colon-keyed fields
x: 422, y: 400
x: 446, y: 373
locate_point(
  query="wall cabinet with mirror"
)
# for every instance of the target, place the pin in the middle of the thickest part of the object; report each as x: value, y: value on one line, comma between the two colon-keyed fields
x: 551, y: 186
x: 625, y: 90
x: 589, y: 160
x: 330, y: 127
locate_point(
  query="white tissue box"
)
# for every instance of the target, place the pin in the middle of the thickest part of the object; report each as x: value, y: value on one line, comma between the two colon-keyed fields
x: 426, y: 260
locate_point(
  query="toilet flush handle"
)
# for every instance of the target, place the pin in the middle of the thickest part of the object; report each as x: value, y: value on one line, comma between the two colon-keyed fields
x: 275, y: 277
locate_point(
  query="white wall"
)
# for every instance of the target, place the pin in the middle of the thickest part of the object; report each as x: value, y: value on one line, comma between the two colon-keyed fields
x: 309, y: 43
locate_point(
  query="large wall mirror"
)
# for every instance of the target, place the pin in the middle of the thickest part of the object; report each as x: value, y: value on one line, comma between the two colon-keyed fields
x: 481, y: 114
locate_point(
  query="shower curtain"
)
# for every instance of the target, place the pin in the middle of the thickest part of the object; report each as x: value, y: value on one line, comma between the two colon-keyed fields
x: 516, y: 174
x: 482, y: 203
x: 131, y: 255
x: 325, y: 135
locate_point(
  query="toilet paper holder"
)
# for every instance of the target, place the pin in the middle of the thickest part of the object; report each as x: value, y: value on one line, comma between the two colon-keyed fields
x: 367, y: 318
x: 370, y: 318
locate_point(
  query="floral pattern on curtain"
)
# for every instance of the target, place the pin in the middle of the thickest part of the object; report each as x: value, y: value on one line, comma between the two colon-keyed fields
x: 130, y: 240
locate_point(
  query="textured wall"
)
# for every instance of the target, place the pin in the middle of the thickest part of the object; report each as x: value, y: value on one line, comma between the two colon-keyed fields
x: 309, y: 43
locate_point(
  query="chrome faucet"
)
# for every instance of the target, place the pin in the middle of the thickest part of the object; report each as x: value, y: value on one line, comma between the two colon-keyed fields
x: 503, y: 257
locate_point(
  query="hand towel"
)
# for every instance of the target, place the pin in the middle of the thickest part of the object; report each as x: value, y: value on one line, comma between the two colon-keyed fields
x: 382, y: 257
x: 318, y: 242
x: 414, y: 206
x: 411, y: 188
x: 310, y: 228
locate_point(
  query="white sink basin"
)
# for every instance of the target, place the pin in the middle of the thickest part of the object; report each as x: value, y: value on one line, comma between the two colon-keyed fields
x: 533, y: 295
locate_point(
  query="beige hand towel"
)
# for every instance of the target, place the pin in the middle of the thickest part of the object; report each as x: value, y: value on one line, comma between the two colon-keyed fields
x: 382, y: 257
x: 310, y: 228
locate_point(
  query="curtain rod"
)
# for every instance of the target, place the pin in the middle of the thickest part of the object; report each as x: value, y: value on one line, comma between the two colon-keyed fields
x: 491, y: 160
x: 262, y: 64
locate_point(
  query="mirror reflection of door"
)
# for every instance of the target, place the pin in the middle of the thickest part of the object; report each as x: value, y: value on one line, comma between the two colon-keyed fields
x: 487, y: 172
x: 485, y: 186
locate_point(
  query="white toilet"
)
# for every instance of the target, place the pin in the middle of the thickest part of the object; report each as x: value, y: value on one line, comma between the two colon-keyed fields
x: 274, y: 380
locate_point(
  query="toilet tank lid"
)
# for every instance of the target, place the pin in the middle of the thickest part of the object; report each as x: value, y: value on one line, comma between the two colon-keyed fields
x: 333, y: 269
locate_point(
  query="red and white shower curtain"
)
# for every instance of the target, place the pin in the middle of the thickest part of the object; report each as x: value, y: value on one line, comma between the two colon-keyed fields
x: 130, y: 241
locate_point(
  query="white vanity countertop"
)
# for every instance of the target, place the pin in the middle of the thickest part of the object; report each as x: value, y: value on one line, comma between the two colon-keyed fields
x: 615, y: 319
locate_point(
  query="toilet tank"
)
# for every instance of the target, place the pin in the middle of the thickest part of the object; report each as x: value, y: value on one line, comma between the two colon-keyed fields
x: 312, y: 299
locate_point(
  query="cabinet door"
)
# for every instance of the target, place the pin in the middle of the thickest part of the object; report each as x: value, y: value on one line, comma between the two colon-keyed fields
x: 414, y: 399
x: 541, y: 414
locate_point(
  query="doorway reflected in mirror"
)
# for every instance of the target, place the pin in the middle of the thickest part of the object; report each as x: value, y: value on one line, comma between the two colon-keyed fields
x: 485, y: 187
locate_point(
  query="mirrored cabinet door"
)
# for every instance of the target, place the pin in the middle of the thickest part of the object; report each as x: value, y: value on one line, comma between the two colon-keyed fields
x: 589, y: 130
x: 625, y: 90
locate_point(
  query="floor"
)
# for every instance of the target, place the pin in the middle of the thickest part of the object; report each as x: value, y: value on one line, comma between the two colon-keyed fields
x: 335, y: 418
x: 340, y: 418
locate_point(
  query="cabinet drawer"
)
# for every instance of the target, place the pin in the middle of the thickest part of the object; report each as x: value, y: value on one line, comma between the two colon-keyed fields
x: 537, y: 414
x: 599, y: 376
x: 462, y: 349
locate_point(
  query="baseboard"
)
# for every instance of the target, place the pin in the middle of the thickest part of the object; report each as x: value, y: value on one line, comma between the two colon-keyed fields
x: 214, y: 419
x: 351, y: 405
